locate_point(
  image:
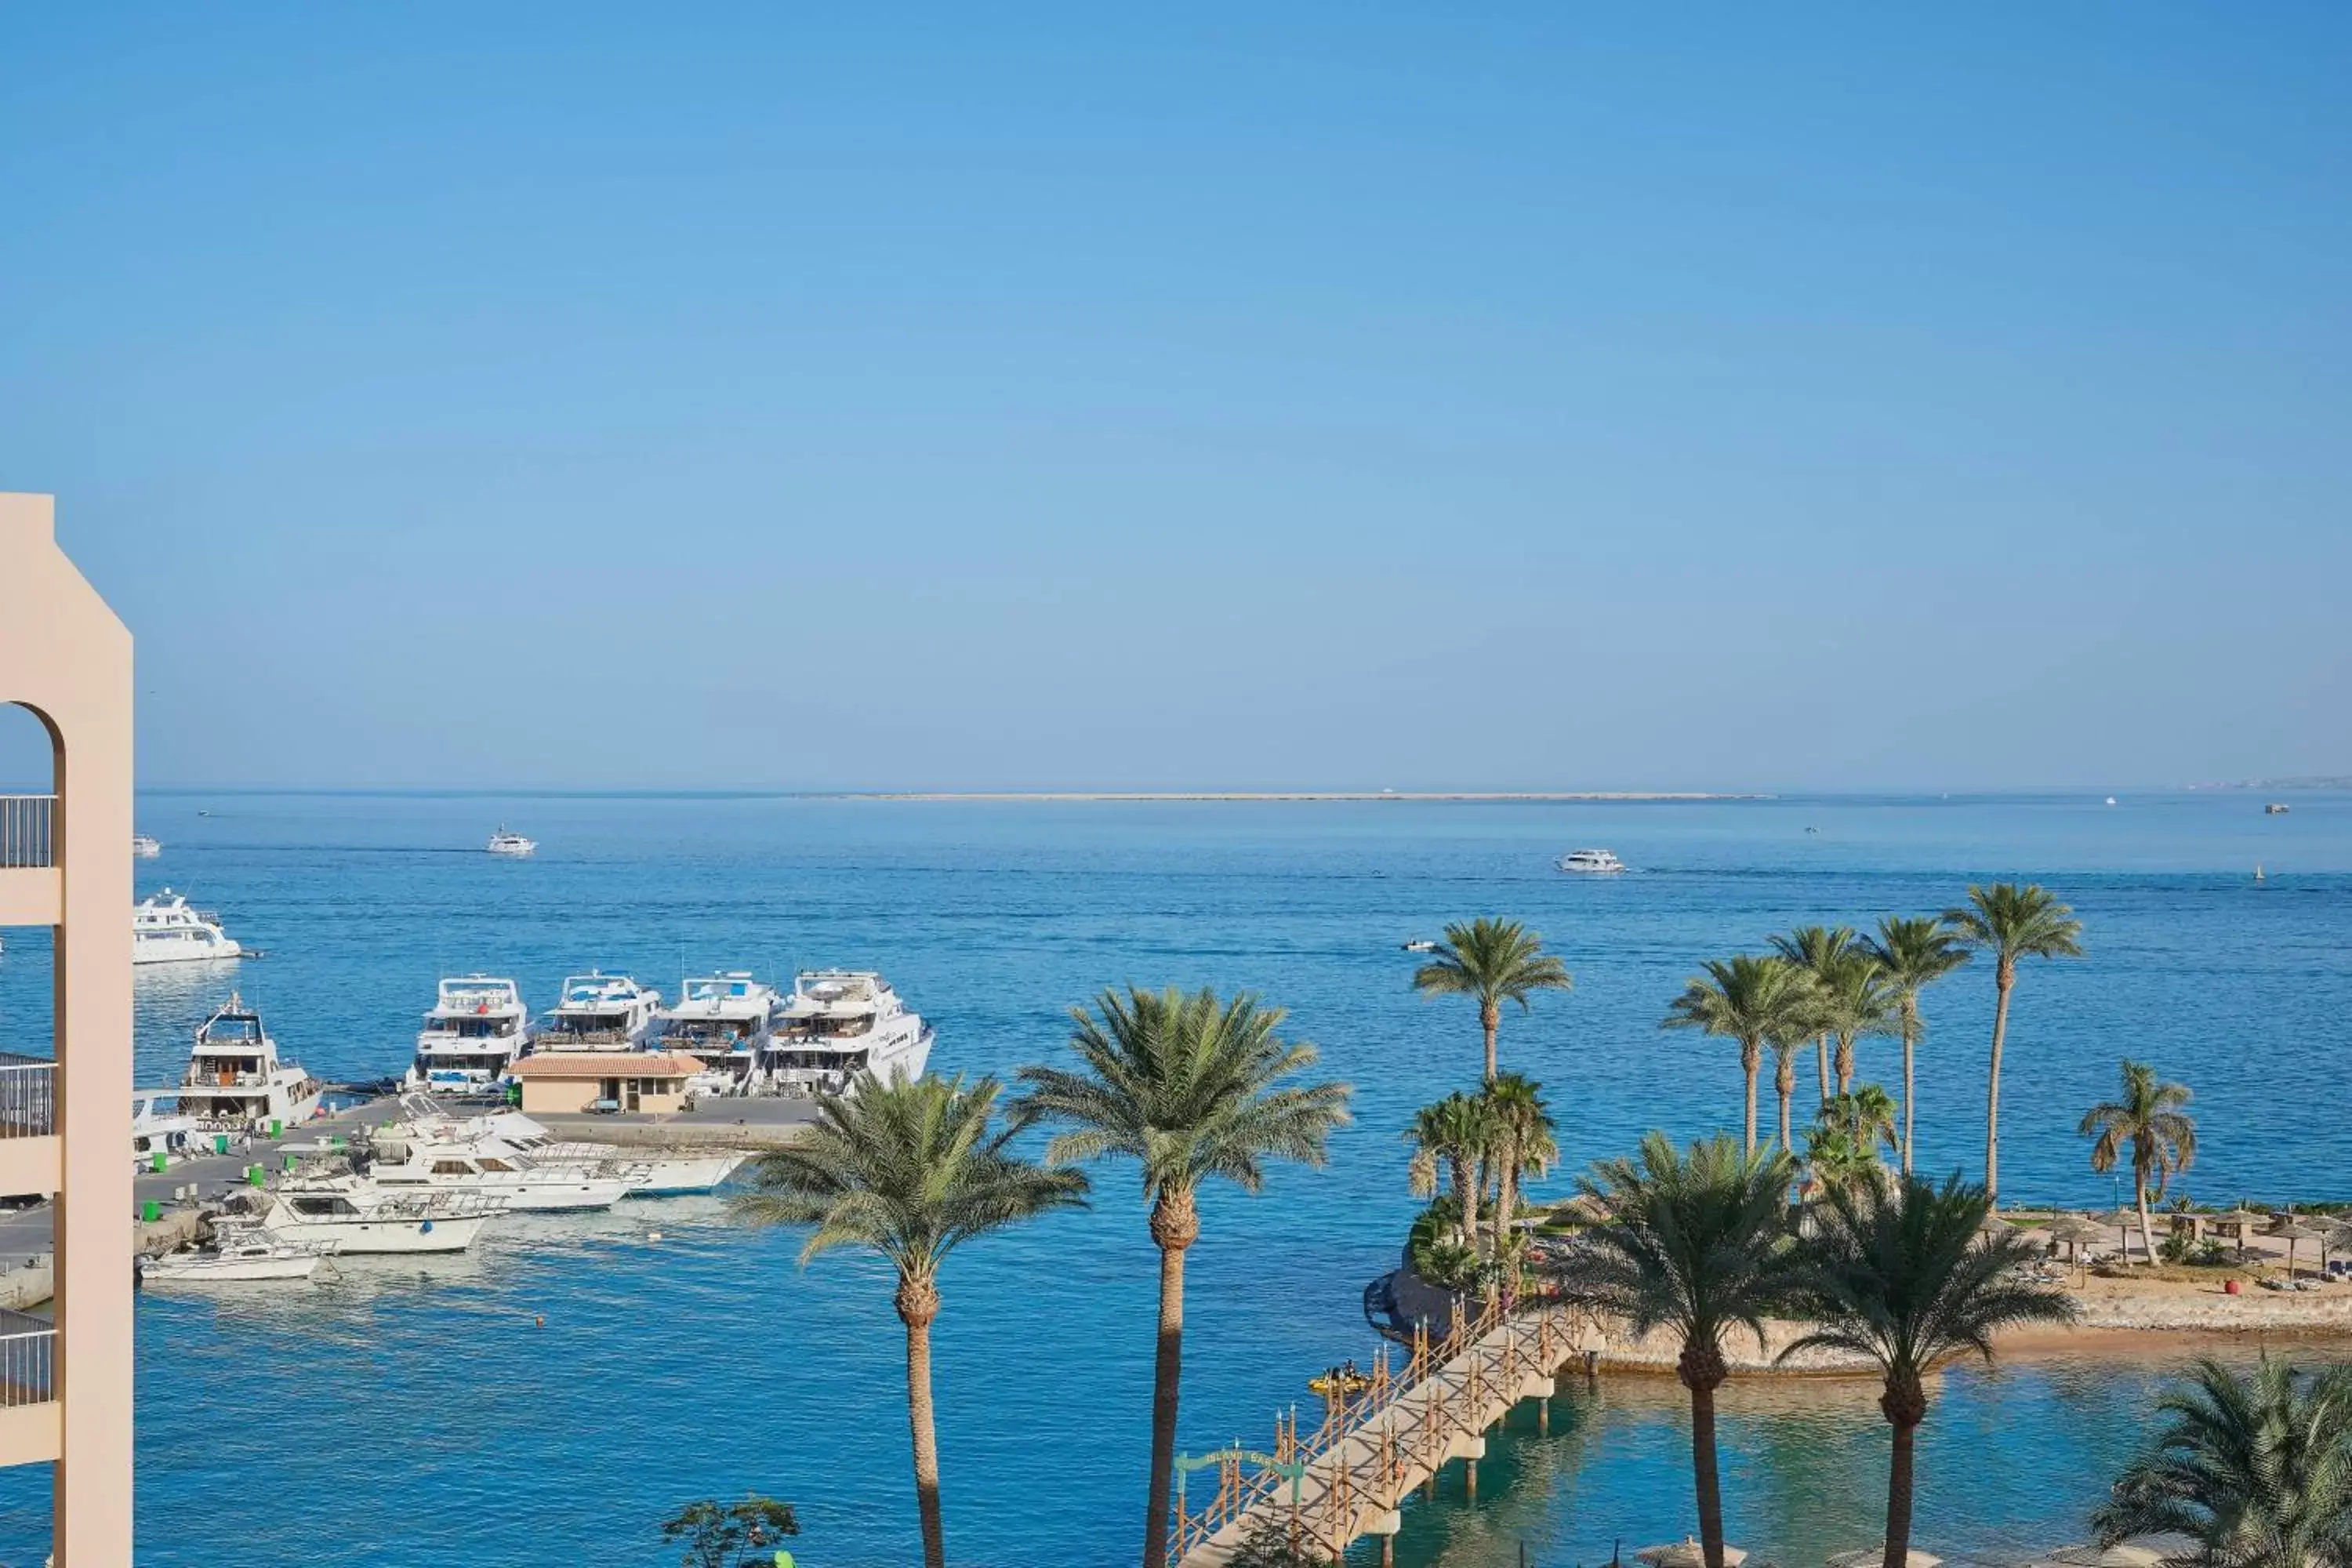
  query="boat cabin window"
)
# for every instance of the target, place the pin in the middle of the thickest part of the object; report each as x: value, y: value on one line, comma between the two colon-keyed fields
x: 452, y: 1168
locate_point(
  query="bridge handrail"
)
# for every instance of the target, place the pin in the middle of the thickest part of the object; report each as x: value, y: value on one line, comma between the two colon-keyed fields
x: 1344, y: 1419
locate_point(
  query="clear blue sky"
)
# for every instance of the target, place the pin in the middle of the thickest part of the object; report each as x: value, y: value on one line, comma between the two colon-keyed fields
x: 1551, y: 395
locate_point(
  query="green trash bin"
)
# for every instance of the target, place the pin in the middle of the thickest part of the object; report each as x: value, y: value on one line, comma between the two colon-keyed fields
x: 151, y: 1211
x: 256, y: 1174
x: 277, y: 1127
x: 220, y: 1142
x: 290, y: 1162
x: 160, y: 1159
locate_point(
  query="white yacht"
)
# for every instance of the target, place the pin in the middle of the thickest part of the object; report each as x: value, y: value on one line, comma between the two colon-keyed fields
x: 238, y: 1253
x: 723, y: 1021
x: 1595, y: 862
x: 502, y: 842
x: 650, y: 1172
x: 236, y: 1082
x: 360, y: 1217
x: 412, y: 1162
x: 159, y: 1128
x: 600, y: 1012
x: 164, y: 930
x: 145, y: 847
x: 839, y: 1023
x: 478, y: 1027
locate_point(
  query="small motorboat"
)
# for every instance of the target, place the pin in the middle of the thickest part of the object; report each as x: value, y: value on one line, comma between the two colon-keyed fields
x: 239, y: 1255
x: 503, y: 842
x: 2275, y: 808
x: 1592, y: 862
x: 144, y: 846
x: 1421, y: 944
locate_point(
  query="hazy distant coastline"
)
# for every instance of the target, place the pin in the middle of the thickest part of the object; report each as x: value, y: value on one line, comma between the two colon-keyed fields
x: 1295, y: 795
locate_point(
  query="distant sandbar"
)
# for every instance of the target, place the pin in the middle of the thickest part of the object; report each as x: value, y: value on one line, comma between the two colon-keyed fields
x: 1302, y: 794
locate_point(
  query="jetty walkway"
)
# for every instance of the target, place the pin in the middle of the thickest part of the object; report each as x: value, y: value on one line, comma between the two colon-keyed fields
x: 1351, y: 1477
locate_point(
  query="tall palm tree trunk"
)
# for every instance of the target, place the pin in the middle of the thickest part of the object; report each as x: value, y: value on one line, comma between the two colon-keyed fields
x: 918, y: 1304
x: 1466, y: 1198
x: 1702, y: 1372
x: 1845, y: 1067
x: 1822, y: 1048
x: 2003, y: 980
x: 1751, y: 1062
x: 1910, y: 1049
x: 1784, y: 1083
x: 1490, y: 1019
x: 1175, y: 1225
x: 2147, y: 1237
x: 1904, y: 1406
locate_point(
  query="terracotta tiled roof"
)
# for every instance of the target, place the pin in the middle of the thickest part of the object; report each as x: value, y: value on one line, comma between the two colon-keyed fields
x: 606, y: 1063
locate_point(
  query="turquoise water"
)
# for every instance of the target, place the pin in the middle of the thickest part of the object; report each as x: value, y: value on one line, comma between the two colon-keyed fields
x: 410, y: 1416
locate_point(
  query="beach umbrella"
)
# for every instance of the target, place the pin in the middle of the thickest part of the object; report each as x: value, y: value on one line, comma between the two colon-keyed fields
x: 2124, y: 1221
x: 1994, y: 1226
x: 2074, y: 1229
x: 2293, y: 1230
x: 1688, y: 1553
x: 2125, y: 1555
x: 1870, y: 1557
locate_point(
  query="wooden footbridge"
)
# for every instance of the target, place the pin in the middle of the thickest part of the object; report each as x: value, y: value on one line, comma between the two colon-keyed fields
x: 1350, y: 1478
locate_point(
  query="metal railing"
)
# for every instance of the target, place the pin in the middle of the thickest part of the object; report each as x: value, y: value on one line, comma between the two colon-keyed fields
x: 28, y: 1355
x: 28, y: 1098
x: 28, y: 831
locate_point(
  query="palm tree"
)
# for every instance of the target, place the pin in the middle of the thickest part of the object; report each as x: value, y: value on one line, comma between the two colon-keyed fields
x: 1844, y: 1144
x: 2252, y: 1469
x: 1190, y: 1088
x: 2011, y: 922
x: 1496, y: 960
x: 1699, y: 1243
x: 1898, y: 1273
x: 1817, y: 950
x: 1454, y: 1133
x: 1755, y: 1001
x: 1914, y: 954
x: 2162, y: 1137
x: 1522, y: 1128
x: 1786, y: 1041
x: 1856, y: 999
x: 911, y: 1170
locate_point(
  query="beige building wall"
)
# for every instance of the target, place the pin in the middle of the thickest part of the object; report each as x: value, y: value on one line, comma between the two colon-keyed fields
x: 65, y: 656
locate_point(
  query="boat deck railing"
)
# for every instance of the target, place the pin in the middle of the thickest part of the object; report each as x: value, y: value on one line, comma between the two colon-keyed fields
x: 28, y: 831
x: 28, y: 1097
x: 27, y: 1360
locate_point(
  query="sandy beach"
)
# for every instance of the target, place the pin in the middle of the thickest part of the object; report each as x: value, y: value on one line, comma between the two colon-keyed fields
x: 2121, y: 1318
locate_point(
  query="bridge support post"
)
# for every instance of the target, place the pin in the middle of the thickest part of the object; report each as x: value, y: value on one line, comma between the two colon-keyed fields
x: 1473, y: 1450
x: 1543, y: 1416
x: 1386, y: 1526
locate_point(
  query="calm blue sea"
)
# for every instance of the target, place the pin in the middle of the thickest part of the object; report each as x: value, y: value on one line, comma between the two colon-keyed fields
x: 409, y: 1416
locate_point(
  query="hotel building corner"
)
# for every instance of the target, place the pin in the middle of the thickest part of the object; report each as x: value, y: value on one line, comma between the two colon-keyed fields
x: 65, y: 863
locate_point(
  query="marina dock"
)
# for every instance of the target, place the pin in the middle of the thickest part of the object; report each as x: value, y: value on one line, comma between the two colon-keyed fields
x: 180, y: 1195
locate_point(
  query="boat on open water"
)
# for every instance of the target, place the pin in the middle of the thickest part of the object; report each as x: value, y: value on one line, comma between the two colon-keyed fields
x: 1595, y: 862
x: 165, y: 929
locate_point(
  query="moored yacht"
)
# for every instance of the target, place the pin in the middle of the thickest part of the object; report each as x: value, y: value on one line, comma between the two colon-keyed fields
x: 505, y: 843
x: 236, y: 1082
x: 358, y: 1216
x: 420, y: 1157
x: 724, y: 1022
x: 1597, y: 862
x: 159, y: 1128
x: 839, y: 1023
x: 238, y: 1253
x: 600, y: 1012
x: 478, y: 1027
x: 164, y: 930
x: 647, y: 1173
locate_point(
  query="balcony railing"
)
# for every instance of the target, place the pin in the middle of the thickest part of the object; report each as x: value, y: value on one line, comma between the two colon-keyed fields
x: 29, y: 1359
x: 28, y: 831
x: 28, y: 1097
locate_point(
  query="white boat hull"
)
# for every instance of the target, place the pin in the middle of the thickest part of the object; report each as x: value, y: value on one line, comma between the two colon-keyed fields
x: 170, y: 1271
x: 569, y: 1194
x: 178, y: 951
x: 679, y: 1176
x: 357, y: 1237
